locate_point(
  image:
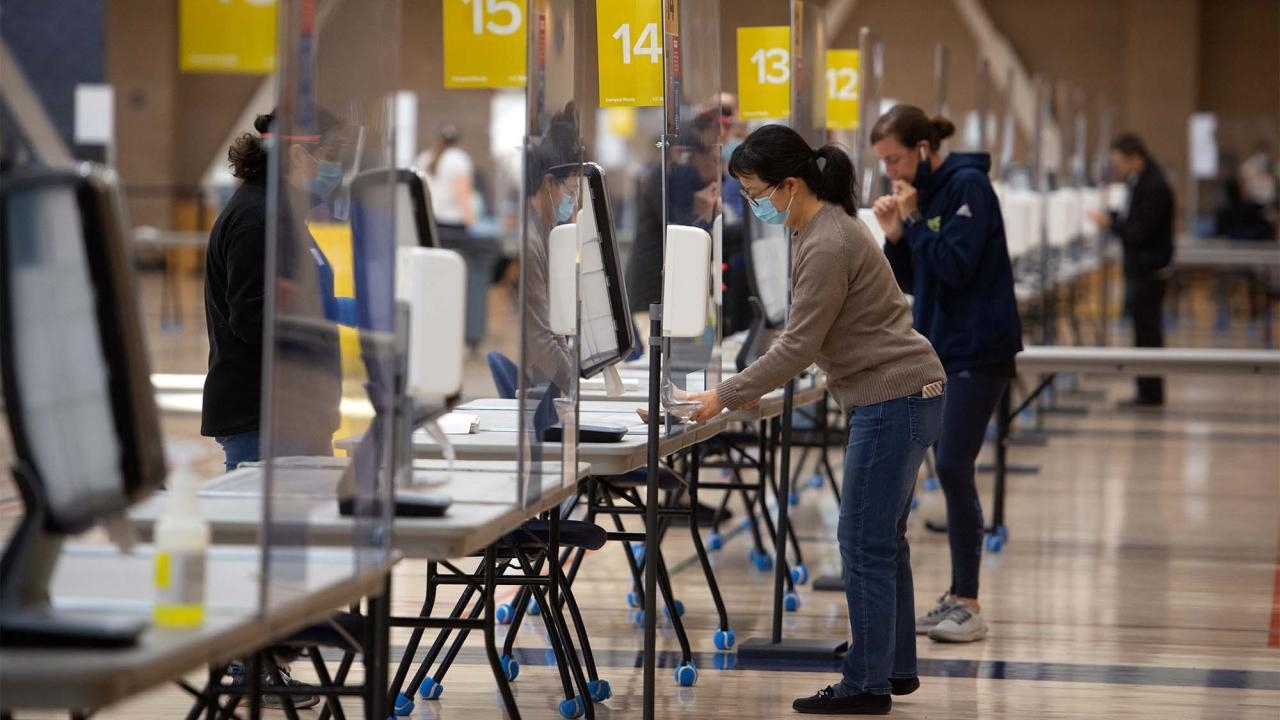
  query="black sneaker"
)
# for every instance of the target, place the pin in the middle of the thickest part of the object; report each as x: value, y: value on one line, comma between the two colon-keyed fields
x: 904, y: 686
x: 300, y: 702
x: 826, y: 703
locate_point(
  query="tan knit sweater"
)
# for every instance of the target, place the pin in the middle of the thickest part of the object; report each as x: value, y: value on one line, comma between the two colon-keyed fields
x: 847, y: 315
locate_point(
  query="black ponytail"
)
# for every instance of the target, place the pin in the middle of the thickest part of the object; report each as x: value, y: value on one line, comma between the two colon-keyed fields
x: 774, y: 153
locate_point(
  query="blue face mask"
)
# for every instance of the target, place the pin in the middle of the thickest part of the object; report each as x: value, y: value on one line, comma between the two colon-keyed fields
x: 327, y: 179
x: 564, y: 208
x: 726, y: 152
x: 767, y: 212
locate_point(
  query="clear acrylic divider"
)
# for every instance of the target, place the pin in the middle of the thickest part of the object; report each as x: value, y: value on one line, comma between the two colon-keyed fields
x: 547, y: 388
x: 332, y: 355
x: 693, y: 182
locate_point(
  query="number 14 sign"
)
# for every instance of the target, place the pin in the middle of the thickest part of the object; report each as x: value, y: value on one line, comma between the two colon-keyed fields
x: 629, y: 46
x: 764, y: 72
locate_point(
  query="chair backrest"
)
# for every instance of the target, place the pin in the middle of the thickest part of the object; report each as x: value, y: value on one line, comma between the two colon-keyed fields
x: 75, y: 369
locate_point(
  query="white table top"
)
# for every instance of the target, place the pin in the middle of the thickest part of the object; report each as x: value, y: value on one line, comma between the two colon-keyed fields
x: 483, y: 510
x: 1140, y: 361
x: 97, y: 581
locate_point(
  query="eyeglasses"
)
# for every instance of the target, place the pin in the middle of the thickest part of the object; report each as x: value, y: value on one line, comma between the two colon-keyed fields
x: 755, y: 201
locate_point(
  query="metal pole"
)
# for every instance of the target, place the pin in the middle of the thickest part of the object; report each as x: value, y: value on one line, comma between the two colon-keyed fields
x: 651, y: 512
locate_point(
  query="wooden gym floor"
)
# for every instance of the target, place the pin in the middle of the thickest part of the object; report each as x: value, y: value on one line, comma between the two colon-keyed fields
x: 1141, y: 579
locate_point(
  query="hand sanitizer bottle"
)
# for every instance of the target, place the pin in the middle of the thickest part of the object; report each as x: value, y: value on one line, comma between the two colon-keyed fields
x: 181, y: 543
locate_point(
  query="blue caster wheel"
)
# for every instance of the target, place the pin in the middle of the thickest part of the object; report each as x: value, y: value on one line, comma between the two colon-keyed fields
x: 800, y: 574
x: 763, y: 562
x: 574, y: 708
x: 791, y: 601
x: 404, y: 706
x: 715, y: 541
x: 633, y: 599
x: 995, y: 543
x: 510, y: 668
x: 639, y: 618
x: 930, y: 484
x: 725, y: 640
x: 815, y: 480
x: 666, y: 610
x: 793, y: 498
x: 747, y: 522
x: 534, y: 608
x: 637, y: 549
x: 430, y: 689
x: 686, y: 674
x: 504, y: 614
x: 1003, y: 532
x: 915, y: 503
x: 600, y: 690
x: 726, y: 661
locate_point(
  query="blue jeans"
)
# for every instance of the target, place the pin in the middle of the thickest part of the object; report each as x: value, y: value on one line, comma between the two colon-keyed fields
x: 241, y: 448
x: 971, y: 399
x: 887, y: 443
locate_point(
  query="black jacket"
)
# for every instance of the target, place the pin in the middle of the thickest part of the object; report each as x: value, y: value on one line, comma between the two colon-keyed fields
x: 233, y: 299
x: 1147, y: 230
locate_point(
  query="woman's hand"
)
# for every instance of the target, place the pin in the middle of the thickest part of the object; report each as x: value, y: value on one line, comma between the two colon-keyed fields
x: 904, y: 194
x: 886, y: 210
x: 710, y: 406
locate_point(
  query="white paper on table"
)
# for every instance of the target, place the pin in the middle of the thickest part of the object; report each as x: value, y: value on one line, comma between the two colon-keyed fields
x: 459, y: 423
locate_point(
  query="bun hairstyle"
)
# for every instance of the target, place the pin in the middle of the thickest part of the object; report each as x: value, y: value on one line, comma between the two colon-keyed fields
x: 910, y: 126
x: 558, y: 152
x: 248, y: 155
x: 774, y: 153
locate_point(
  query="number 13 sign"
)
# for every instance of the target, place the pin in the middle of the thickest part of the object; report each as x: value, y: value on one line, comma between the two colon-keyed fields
x: 484, y: 43
x: 629, y: 44
x: 764, y: 72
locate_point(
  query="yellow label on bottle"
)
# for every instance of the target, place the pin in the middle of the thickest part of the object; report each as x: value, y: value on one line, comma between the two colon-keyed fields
x: 178, y: 616
x: 162, y: 571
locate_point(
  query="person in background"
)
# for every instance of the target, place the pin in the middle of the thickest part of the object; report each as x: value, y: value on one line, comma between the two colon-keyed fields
x: 849, y: 317
x: 1145, y: 230
x: 1260, y: 186
x: 308, y: 381
x: 451, y: 179
x: 944, y: 238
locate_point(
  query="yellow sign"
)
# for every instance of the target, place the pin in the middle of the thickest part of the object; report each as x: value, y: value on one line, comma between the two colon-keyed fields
x: 629, y: 45
x: 227, y: 36
x: 843, y: 75
x: 764, y: 72
x: 484, y: 43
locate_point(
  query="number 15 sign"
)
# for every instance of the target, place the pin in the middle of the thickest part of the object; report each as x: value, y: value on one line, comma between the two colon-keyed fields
x: 484, y: 43
x: 764, y: 72
x: 629, y: 44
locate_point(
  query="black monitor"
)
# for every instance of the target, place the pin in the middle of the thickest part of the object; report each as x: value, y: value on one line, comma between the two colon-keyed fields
x: 76, y: 380
x: 606, y: 332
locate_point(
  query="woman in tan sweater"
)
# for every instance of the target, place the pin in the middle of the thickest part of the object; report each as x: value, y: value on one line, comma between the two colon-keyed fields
x: 848, y: 316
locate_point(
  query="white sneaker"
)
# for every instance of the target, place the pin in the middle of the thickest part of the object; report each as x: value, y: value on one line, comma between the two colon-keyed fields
x: 961, y: 624
x: 930, y: 620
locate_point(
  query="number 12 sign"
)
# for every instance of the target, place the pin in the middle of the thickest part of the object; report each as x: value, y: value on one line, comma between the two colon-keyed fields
x: 629, y: 46
x: 764, y: 72
x: 484, y: 43
x: 842, y: 89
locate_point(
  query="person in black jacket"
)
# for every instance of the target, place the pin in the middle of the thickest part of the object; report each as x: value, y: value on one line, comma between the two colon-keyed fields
x: 1145, y: 228
x: 307, y: 377
x: 945, y: 242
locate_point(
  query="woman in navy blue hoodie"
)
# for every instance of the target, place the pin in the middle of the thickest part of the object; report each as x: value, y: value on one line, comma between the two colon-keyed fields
x: 945, y: 240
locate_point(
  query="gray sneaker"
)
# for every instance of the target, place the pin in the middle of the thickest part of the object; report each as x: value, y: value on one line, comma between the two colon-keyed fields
x: 930, y: 620
x: 961, y: 624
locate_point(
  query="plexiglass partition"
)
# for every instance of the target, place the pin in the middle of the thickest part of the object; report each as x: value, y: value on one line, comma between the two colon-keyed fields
x: 693, y: 179
x: 550, y: 201
x: 331, y: 356
x: 809, y: 71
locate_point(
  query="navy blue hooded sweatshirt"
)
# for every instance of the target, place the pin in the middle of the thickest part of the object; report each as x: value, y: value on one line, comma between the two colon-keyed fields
x: 956, y: 265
